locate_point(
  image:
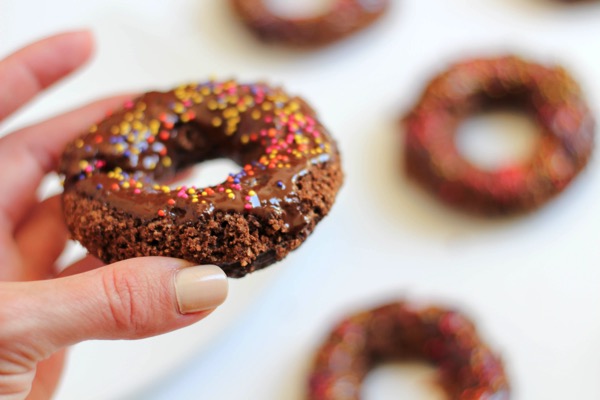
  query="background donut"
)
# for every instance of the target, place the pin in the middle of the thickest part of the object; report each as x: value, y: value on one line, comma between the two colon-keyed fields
x: 549, y: 94
x: 468, y: 369
x: 344, y: 18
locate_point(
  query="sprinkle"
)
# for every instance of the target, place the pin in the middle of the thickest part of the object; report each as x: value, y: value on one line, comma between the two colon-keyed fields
x: 161, y: 213
x: 217, y: 122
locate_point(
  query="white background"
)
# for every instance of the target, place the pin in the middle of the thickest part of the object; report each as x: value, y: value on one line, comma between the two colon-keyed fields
x: 531, y: 283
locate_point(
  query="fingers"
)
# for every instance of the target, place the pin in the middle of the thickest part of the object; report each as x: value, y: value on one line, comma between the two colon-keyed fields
x: 47, y: 375
x: 34, y: 151
x: 41, y: 238
x: 30, y: 70
x: 131, y: 299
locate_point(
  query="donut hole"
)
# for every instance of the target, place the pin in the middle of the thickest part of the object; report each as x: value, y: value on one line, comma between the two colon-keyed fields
x: 494, y: 139
x: 208, y: 173
x: 415, y: 380
x: 299, y: 9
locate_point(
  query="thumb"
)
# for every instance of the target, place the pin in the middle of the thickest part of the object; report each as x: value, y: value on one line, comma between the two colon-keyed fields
x: 131, y: 299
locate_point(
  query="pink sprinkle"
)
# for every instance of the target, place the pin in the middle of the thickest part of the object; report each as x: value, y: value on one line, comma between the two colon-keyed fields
x: 137, y: 191
x: 248, y: 206
x: 128, y: 105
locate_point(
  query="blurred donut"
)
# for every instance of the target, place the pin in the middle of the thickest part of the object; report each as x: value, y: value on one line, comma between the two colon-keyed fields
x: 468, y: 370
x: 344, y: 18
x: 549, y: 94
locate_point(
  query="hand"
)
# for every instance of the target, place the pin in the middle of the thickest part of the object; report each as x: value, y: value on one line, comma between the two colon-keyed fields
x: 41, y: 314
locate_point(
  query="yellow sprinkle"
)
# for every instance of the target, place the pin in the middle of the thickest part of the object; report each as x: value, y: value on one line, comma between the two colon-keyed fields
x: 141, y: 106
x: 212, y: 105
x: 178, y: 108
x: 191, y: 191
x: 139, y: 185
x: 128, y: 117
x: 166, y: 161
x: 216, y: 122
x: 154, y: 126
x: 125, y: 185
x: 114, y: 130
x: 252, y: 193
x: 165, y: 189
x: 83, y: 164
x: 204, y: 193
x: 294, y: 106
x: 245, y: 139
x: 255, y: 114
x: 195, y: 200
x: 93, y: 128
x: 228, y: 190
x: 266, y: 106
x: 205, y: 90
x: 231, y: 112
x: 137, y: 125
x: 231, y: 196
x: 197, y: 98
x: 79, y: 143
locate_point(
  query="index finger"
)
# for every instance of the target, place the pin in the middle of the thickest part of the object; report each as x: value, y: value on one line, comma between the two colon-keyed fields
x: 27, y: 155
x: 28, y: 71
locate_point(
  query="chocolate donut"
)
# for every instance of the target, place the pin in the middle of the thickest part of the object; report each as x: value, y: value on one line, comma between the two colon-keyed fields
x: 117, y: 207
x: 344, y: 18
x: 468, y: 370
x: 548, y: 94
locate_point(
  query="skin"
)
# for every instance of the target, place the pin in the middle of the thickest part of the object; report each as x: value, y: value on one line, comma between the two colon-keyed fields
x: 42, y: 313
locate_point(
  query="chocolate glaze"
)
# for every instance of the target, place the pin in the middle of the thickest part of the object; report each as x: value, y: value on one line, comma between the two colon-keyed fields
x: 468, y: 369
x: 277, y: 139
x: 344, y: 18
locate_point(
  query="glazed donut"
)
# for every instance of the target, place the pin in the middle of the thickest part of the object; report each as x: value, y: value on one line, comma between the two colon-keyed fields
x: 344, y: 18
x: 117, y: 207
x: 550, y: 95
x: 468, y: 370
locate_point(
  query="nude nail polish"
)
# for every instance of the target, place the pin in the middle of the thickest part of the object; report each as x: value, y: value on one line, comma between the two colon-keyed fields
x: 200, y: 288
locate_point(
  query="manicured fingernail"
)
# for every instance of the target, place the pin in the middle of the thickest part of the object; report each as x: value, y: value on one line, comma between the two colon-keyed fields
x: 200, y: 288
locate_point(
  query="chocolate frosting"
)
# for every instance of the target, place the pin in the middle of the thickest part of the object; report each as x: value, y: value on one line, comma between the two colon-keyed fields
x: 275, y: 138
x: 121, y: 164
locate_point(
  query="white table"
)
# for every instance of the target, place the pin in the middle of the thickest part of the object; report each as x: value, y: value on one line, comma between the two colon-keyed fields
x: 532, y: 283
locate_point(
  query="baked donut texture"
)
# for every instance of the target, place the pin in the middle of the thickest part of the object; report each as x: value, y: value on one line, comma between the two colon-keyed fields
x: 468, y: 369
x: 344, y: 18
x: 549, y: 94
x: 117, y: 207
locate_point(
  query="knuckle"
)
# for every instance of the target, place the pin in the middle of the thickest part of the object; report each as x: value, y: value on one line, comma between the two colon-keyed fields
x: 126, y: 298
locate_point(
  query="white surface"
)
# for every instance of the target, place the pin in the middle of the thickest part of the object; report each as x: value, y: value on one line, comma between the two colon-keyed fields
x: 531, y: 283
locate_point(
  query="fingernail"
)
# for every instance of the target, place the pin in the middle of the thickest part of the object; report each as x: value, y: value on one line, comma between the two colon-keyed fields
x: 200, y: 288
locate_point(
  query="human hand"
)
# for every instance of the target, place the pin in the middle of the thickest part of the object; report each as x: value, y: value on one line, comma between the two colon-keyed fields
x: 40, y: 313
